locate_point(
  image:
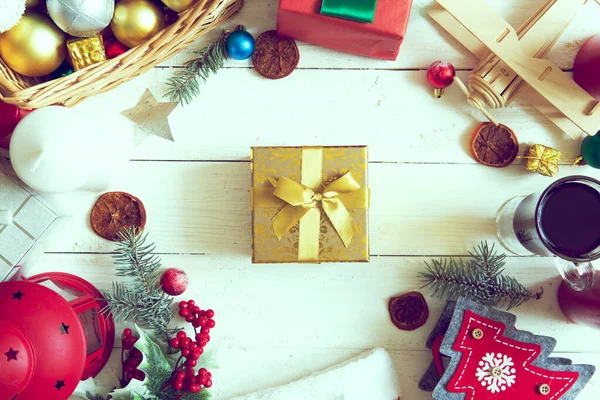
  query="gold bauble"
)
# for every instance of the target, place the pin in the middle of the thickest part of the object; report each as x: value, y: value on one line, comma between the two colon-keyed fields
x: 179, y: 5
x: 32, y: 3
x: 136, y: 21
x: 34, y: 47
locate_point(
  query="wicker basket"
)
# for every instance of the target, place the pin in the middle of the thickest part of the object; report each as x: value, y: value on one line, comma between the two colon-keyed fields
x: 28, y: 93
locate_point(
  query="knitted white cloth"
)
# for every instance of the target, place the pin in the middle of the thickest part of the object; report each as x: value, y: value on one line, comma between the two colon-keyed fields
x: 370, y: 376
x: 11, y: 12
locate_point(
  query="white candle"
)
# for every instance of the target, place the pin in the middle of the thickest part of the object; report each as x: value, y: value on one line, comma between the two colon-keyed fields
x: 5, y: 217
x: 55, y: 150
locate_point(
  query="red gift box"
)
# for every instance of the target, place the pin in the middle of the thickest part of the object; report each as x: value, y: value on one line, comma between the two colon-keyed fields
x: 301, y: 19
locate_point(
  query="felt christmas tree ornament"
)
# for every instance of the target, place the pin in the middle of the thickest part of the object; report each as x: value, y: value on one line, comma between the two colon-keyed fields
x: 11, y: 12
x: 486, y: 357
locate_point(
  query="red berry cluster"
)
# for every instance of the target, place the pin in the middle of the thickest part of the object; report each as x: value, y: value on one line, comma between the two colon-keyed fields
x: 184, y: 377
x: 133, y: 360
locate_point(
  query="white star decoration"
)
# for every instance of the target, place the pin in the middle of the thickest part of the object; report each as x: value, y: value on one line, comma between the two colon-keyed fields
x: 496, y: 372
x: 151, y: 116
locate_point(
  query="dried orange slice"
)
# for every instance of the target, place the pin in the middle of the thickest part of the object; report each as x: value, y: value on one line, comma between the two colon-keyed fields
x: 115, y: 212
x: 494, y: 146
x: 409, y: 311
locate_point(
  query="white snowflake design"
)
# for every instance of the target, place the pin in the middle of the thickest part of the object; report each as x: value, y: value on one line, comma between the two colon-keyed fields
x: 496, y: 372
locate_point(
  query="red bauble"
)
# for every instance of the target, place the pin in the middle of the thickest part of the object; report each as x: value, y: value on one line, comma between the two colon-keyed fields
x: 586, y: 69
x: 174, y: 281
x: 114, y: 48
x: 10, y: 116
x: 440, y: 75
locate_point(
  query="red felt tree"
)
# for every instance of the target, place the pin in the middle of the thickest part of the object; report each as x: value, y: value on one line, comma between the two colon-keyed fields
x: 495, y: 366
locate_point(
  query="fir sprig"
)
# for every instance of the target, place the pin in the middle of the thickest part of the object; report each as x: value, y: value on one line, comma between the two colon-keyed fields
x: 480, y: 278
x: 140, y: 299
x: 183, y: 87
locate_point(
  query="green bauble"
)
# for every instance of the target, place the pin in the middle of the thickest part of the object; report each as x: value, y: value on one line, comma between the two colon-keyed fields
x: 590, y: 150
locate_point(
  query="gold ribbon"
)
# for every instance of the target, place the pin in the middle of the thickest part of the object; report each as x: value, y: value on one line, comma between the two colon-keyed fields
x: 303, y: 203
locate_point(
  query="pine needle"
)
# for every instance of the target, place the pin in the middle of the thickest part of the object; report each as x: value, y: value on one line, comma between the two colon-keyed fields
x: 480, y: 278
x: 185, y: 86
x: 140, y: 298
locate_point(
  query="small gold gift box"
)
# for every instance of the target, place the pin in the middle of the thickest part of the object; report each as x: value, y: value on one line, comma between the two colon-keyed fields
x: 309, y: 204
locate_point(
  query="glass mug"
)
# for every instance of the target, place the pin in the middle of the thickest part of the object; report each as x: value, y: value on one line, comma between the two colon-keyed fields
x: 562, y: 221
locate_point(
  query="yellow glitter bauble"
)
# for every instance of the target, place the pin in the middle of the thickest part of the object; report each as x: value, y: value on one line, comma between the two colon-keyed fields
x: 179, y: 5
x: 34, y: 47
x: 136, y: 21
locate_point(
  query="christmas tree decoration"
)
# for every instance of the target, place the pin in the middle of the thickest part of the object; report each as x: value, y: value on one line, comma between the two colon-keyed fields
x: 340, y: 382
x: 440, y: 75
x: 34, y: 3
x: 34, y: 47
x: 541, y: 159
x: 114, y: 48
x: 590, y: 152
x: 480, y: 278
x: 81, y: 18
x: 51, y: 336
x: 10, y: 116
x: 11, y: 12
x: 368, y: 28
x: 240, y: 45
x: 115, y: 212
x: 57, y: 150
x: 136, y: 21
x: 24, y: 223
x: 331, y: 219
x: 87, y: 51
x: 179, y: 5
x: 586, y: 67
x: 494, y: 145
x: 139, y: 299
x: 275, y: 57
x: 65, y: 69
x: 174, y: 281
x: 490, y: 359
x: 152, y: 117
x: 409, y: 311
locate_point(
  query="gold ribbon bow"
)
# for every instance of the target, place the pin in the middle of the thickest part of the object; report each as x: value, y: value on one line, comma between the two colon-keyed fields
x: 302, y: 205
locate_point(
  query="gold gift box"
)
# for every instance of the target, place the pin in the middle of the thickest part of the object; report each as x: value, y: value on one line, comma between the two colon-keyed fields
x: 271, y: 166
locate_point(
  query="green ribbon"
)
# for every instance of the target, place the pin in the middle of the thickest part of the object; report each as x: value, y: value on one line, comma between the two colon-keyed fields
x: 356, y: 10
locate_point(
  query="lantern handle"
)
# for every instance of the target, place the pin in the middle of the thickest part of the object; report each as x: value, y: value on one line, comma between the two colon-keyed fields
x: 5, y: 217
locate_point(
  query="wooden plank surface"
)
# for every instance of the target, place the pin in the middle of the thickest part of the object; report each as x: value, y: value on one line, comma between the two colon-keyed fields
x: 277, y: 323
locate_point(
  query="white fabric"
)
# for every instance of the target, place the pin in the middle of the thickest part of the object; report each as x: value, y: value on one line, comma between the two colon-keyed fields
x: 371, y: 376
x: 11, y: 12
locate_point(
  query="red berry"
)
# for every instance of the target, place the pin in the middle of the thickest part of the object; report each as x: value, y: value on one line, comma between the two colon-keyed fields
x: 193, y: 346
x: 210, y: 313
x: 190, y: 363
x: 127, y: 332
x: 181, y: 335
x: 203, y: 321
x: 135, y: 352
x: 196, y: 323
x: 189, y: 318
x: 207, y: 336
x: 208, y: 383
x: 191, y: 303
x: 199, y: 337
x: 175, y: 343
x: 205, y: 330
x: 183, y: 304
x: 201, y: 379
x: 174, y: 281
x: 184, y: 312
x: 186, y: 342
x: 195, y: 355
x: 185, y: 352
x: 203, y: 343
x: 194, y: 388
x: 180, y: 376
x: 202, y: 371
x: 211, y: 323
x: 139, y: 375
x: 178, y: 385
x: 196, y: 309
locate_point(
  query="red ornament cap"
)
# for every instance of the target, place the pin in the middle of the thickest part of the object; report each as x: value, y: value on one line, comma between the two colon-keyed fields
x: 10, y: 116
x: 43, y: 343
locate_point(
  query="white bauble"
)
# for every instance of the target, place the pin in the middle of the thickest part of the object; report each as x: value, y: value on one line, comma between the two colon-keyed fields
x: 11, y: 12
x: 81, y: 18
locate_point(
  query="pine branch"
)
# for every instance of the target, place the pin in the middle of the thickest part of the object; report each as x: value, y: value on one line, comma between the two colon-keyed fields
x: 91, y: 396
x: 140, y: 298
x: 185, y: 86
x: 480, y: 278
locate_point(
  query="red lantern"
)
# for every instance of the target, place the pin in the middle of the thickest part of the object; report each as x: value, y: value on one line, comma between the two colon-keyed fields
x: 51, y: 335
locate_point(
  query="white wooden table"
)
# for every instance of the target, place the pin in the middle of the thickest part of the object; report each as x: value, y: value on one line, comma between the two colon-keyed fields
x: 277, y: 323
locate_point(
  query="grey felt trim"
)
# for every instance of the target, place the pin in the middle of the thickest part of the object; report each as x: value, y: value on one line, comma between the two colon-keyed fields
x: 547, y: 344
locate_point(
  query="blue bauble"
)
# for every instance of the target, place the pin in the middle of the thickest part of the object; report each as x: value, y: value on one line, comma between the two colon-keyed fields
x: 240, y: 45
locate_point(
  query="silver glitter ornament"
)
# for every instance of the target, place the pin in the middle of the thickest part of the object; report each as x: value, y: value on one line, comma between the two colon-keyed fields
x: 81, y: 18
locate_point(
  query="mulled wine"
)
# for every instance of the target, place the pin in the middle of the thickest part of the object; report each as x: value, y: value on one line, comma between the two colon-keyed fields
x: 570, y: 219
